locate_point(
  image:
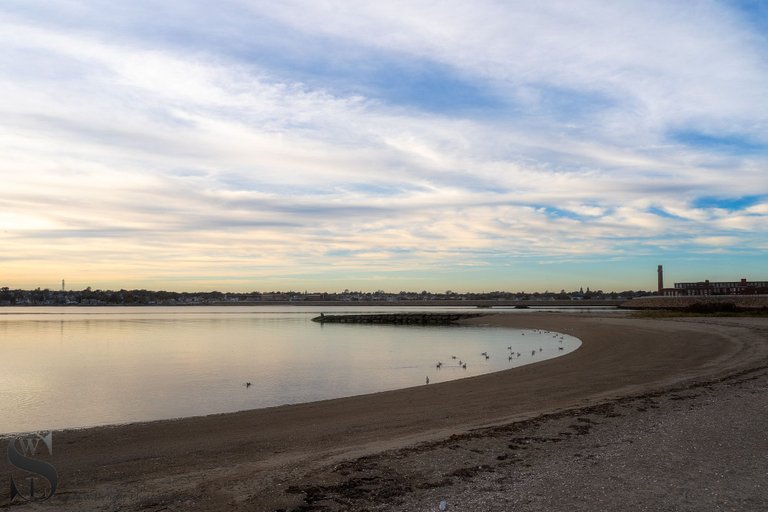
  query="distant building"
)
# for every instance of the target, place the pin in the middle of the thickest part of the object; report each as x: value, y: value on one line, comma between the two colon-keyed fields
x: 660, y: 272
x: 742, y: 287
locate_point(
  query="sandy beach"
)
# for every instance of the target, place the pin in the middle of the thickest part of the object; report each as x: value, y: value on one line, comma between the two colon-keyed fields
x: 669, y: 412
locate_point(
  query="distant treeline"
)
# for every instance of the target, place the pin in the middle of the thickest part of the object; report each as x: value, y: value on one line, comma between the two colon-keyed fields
x: 89, y: 297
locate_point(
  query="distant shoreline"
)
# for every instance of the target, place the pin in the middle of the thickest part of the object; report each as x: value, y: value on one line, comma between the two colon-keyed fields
x: 372, y: 303
x: 638, y: 303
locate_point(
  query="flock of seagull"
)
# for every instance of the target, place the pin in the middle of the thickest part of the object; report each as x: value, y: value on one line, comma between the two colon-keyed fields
x: 512, y: 355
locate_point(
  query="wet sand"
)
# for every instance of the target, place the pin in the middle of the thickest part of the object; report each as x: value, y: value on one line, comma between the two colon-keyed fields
x: 315, y: 456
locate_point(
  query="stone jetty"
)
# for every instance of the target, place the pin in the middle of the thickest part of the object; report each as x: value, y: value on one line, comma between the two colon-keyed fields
x: 397, y: 318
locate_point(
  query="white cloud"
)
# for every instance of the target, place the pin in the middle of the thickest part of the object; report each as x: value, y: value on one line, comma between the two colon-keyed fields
x: 114, y: 147
x: 719, y: 241
x: 758, y: 209
x: 657, y: 60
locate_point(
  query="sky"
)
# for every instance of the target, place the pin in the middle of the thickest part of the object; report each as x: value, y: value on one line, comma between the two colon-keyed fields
x: 402, y: 145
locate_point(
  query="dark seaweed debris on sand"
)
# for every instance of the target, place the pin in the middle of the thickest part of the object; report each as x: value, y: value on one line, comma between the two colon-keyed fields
x: 492, y: 459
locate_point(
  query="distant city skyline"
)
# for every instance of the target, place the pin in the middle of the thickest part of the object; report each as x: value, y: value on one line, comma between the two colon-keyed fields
x: 470, y: 146
x: 334, y: 286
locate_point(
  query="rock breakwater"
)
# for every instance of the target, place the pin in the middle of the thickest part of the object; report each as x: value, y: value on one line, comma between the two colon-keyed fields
x: 398, y: 318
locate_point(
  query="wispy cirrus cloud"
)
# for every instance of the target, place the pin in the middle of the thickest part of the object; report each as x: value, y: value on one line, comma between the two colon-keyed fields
x: 259, y: 143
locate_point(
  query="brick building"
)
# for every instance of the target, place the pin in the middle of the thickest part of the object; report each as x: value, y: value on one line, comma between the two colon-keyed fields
x: 742, y: 287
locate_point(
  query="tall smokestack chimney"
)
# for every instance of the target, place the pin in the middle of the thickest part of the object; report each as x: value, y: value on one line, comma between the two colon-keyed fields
x: 661, y: 279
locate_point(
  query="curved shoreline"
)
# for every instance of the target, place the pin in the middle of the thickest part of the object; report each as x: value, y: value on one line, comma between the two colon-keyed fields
x: 247, y: 459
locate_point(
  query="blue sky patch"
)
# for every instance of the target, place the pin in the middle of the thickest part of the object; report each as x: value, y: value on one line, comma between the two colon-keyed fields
x: 662, y: 213
x: 725, y: 143
x: 393, y: 79
x: 729, y: 203
x: 559, y: 213
x: 565, y: 103
x: 753, y: 12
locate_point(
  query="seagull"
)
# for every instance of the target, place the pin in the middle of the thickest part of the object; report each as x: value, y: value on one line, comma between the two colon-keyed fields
x: 247, y: 384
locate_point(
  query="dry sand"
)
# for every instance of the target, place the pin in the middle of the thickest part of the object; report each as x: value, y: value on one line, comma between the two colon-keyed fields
x: 661, y: 411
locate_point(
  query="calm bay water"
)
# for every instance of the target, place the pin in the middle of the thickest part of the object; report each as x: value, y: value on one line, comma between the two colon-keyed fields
x: 74, y: 367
